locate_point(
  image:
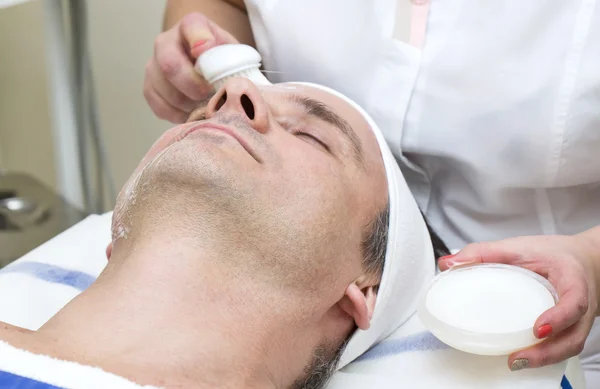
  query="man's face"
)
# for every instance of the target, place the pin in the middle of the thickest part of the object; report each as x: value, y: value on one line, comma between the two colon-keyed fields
x: 288, y: 173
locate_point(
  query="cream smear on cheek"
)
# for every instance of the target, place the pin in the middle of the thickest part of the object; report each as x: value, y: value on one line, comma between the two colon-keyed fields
x: 122, y: 223
x: 122, y: 218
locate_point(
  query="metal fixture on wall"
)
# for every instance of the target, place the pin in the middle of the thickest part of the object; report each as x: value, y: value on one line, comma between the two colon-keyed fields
x: 81, y: 161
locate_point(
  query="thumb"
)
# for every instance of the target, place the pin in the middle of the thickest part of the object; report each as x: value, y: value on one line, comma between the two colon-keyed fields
x: 492, y: 252
x: 454, y: 260
x: 200, y: 34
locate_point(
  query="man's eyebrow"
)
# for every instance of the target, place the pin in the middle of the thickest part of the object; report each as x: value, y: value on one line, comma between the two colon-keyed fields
x: 322, y: 112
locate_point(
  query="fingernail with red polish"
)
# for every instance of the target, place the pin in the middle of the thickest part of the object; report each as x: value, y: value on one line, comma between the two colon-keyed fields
x: 544, y: 331
x: 199, y: 43
x: 447, y: 257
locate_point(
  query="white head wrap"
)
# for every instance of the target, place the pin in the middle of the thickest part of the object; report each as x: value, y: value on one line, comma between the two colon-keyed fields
x: 409, y: 260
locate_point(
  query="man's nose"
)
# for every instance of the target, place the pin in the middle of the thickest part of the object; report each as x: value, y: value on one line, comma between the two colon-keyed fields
x: 239, y: 96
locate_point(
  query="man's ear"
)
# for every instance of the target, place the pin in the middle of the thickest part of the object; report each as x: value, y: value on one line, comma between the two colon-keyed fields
x: 359, y: 304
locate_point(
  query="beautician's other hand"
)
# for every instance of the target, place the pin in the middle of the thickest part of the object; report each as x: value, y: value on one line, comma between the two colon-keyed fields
x: 108, y: 251
x: 172, y: 87
x: 570, y: 263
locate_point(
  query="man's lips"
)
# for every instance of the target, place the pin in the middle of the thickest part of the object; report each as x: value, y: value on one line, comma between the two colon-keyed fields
x: 232, y: 133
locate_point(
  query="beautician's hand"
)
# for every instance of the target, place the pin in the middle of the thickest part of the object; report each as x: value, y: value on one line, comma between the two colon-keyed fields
x: 571, y: 264
x: 108, y: 251
x: 172, y: 87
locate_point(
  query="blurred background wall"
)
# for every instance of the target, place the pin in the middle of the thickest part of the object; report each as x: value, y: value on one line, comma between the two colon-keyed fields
x: 121, y: 37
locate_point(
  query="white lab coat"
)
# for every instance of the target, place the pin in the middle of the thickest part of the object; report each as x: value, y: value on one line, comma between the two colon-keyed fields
x: 495, y: 116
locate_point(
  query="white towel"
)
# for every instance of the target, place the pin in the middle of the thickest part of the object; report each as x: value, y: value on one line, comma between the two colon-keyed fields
x: 413, y: 358
x: 35, y: 287
x: 22, y: 369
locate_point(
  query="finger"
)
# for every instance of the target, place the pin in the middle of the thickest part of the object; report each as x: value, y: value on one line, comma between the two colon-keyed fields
x: 555, y: 349
x: 109, y: 250
x: 161, y: 108
x: 171, y: 95
x: 572, y: 305
x: 200, y: 34
x: 447, y: 262
x: 507, y: 252
x: 177, y: 68
x: 496, y: 252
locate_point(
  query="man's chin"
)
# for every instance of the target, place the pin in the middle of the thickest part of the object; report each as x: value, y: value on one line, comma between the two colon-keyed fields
x: 201, y: 170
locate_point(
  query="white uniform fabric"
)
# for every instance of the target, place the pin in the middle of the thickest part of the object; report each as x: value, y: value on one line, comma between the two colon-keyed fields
x: 495, y: 119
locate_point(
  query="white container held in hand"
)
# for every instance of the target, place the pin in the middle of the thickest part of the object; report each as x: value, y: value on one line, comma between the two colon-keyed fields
x: 221, y: 63
x: 486, y: 309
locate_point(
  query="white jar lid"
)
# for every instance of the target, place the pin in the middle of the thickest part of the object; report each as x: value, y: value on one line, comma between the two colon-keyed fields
x: 486, y: 309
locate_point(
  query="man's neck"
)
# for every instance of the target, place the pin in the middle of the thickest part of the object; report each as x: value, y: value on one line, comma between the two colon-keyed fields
x: 170, y: 318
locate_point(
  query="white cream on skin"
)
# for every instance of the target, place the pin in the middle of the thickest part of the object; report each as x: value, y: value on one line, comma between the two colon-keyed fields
x: 122, y: 221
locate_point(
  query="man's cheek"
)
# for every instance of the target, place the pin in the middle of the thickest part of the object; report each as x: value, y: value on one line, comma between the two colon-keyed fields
x: 324, y: 172
x: 308, y: 158
x: 165, y: 140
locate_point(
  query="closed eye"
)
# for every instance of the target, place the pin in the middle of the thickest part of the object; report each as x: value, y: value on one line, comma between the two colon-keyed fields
x: 311, y: 139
